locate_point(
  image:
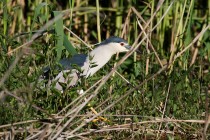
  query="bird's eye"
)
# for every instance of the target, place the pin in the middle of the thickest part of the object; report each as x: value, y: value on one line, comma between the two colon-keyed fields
x: 122, y: 44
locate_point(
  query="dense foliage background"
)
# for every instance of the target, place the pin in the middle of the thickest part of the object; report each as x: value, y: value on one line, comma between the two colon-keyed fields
x: 162, y: 93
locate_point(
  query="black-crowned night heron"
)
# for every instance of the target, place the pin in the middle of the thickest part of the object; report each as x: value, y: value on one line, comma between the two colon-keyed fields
x: 89, y: 64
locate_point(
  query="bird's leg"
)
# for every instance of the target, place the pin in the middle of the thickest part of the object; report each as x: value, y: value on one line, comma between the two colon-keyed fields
x: 96, y: 113
x: 93, y: 110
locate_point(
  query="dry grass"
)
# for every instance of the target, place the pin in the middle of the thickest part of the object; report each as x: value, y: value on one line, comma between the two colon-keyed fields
x: 161, y: 94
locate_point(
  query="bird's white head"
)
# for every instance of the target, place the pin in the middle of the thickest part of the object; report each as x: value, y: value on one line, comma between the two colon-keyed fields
x: 103, y: 53
x: 114, y: 45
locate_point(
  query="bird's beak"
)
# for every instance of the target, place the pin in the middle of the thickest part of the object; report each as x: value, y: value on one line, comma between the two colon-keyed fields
x: 138, y: 52
x: 129, y: 48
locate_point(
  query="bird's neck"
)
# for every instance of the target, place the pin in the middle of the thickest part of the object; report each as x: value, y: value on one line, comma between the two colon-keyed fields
x: 97, y: 59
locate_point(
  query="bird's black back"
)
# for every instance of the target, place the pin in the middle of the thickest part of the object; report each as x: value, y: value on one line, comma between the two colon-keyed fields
x: 66, y: 64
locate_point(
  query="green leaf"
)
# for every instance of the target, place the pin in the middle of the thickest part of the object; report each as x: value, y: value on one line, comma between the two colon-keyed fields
x: 188, y: 37
x: 37, y: 12
x: 59, y: 35
x: 69, y: 47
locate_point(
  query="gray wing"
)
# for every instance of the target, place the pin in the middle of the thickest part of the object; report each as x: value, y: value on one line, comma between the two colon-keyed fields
x: 78, y: 59
x: 66, y: 64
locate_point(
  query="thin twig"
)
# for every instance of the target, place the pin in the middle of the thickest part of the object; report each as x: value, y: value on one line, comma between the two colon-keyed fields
x: 166, y: 100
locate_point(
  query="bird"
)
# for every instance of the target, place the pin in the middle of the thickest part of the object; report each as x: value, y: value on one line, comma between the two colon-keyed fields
x: 88, y: 64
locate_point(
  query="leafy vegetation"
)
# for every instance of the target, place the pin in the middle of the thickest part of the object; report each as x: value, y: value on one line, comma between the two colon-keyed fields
x: 162, y: 93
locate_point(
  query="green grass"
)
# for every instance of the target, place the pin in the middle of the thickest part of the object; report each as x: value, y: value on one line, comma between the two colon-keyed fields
x: 162, y: 93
